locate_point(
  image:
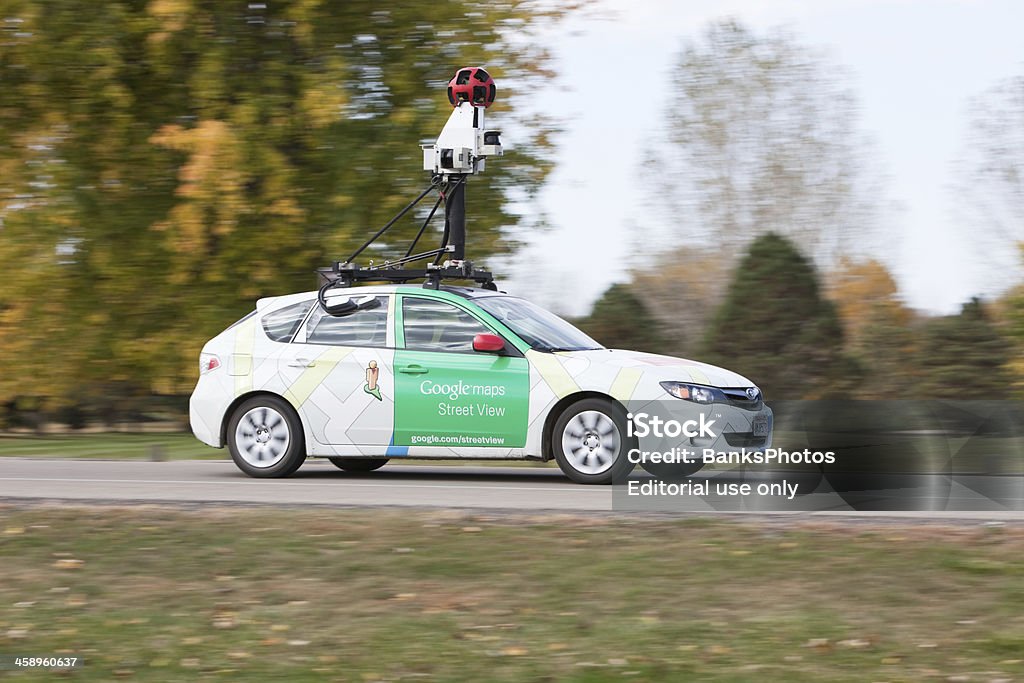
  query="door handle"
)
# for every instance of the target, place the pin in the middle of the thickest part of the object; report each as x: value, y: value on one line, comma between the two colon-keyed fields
x: 301, y: 363
x: 413, y: 370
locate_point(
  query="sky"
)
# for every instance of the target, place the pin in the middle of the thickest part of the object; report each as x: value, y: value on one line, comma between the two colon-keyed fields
x: 914, y: 65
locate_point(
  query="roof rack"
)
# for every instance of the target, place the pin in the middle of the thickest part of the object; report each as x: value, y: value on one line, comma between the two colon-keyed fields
x: 346, y: 274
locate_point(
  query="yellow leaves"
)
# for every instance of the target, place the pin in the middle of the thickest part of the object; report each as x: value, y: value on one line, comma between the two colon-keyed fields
x: 173, y: 15
x: 343, y: 200
x: 860, y: 289
x: 212, y: 185
x: 323, y: 105
x: 403, y: 116
x: 1016, y: 369
x: 303, y: 13
x: 287, y: 208
x: 324, y: 95
x: 214, y: 158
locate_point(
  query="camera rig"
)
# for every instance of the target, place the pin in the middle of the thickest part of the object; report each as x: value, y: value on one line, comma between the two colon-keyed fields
x: 460, y: 151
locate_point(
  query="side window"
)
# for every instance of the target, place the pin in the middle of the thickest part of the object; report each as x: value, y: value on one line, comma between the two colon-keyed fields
x: 362, y: 328
x: 431, y: 325
x: 281, y: 324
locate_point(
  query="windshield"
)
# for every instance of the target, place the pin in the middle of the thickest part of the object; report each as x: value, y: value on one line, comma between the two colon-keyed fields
x: 540, y: 329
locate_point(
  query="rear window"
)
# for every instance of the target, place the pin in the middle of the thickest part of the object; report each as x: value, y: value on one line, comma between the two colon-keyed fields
x: 367, y: 328
x: 281, y: 325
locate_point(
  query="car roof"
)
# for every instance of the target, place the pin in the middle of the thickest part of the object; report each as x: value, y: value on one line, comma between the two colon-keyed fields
x: 287, y: 299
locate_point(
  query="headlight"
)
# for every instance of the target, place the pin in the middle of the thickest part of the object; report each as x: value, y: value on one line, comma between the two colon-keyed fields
x: 691, y: 392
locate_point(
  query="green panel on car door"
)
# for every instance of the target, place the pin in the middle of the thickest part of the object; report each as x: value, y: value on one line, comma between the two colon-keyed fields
x: 460, y: 399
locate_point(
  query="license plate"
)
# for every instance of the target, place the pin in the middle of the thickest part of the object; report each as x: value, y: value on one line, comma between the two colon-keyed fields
x: 760, y: 426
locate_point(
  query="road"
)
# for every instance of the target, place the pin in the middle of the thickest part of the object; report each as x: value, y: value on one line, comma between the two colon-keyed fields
x: 482, y: 488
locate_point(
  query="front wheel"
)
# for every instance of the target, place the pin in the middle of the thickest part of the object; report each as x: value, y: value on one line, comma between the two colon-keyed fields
x: 265, y: 437
x: 359, y: 464
x: 590, y: 442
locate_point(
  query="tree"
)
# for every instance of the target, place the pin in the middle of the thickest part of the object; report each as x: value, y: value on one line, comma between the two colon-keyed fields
x: 990, y: 184
x: 864, y: 291
x: 163, y: 163
x: 1009, y: 311
x: 760, y: 138
x: 776, y: 328
x: 681, y: 290
x: 879, y: 330
x: 620, y: 320
x: 886, y: 349
x: 964, y: 356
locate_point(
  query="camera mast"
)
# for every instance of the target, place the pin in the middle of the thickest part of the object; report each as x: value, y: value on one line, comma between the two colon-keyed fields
x: 460, y: 151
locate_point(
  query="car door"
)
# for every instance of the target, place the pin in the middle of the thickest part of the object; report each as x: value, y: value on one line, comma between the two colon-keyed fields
x: 338, y: 371
x: 447, y: 394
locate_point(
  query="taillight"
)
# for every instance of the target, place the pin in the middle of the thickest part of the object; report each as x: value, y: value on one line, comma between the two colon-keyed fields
x: 207, y: 362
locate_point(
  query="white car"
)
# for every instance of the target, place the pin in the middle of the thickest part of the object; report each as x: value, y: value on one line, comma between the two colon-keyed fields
x: 407, y: 371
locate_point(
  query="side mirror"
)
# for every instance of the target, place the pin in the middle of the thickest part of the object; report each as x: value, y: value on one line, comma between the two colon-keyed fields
x: 488, y: 343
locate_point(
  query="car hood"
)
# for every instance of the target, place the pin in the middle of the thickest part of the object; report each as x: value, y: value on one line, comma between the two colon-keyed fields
x: 664, y: 367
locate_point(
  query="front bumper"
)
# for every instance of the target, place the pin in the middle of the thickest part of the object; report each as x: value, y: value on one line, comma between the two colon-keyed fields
x: 730, y: 428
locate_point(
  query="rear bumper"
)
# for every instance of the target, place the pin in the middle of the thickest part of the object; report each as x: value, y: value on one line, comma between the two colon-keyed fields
x: 206, y: 409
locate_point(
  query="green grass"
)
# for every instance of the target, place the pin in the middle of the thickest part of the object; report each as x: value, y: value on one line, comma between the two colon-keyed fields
x: 109, y: 446
x: 269, y: 594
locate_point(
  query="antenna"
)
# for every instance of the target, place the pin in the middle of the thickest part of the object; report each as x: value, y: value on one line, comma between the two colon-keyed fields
x: 460, y: 151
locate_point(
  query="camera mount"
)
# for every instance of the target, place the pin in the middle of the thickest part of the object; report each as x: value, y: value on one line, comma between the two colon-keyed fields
x: 460, y: 151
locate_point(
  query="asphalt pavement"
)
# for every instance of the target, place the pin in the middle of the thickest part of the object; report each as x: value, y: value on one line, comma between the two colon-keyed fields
x: 527, y: 489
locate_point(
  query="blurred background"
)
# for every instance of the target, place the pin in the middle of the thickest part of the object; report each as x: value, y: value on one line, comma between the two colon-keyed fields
x: 829, y: 200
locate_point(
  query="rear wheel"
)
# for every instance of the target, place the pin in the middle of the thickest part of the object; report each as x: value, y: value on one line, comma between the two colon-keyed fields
x: 265, y: 437
x: 590, y: 442
x: 359, y: 464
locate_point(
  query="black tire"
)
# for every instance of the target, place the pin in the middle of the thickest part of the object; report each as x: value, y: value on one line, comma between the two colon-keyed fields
x: 269, y: 417
x: 586, y: 467
x: 359, y: 464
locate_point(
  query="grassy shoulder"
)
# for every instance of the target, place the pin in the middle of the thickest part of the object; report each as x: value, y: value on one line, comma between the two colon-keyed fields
x: 164, y: 594
x: 109, y: 446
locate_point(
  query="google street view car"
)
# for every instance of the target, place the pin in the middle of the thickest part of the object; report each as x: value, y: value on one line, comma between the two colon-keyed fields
x: 454, y: 372
x: 361, y: 375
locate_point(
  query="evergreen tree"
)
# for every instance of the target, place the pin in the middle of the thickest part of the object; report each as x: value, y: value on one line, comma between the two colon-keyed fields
x: 776, y: 328
x: 621, y: 320
x: 964, y: 357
